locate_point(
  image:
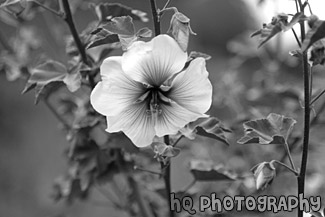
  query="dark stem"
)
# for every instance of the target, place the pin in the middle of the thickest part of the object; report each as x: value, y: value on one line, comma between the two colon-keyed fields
x: 166, y: 176
x: 69, y: 20
x: 303, y: 167
x: 296, y: 37
x: 155, y: 17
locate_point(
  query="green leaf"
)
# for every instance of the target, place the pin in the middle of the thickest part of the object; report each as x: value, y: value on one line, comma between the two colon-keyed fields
x: 106, y: 11
x: 208, y: 171
x: 269, y: 30
x: 209, y: 127
x: 316, y: 33
x: 275, y: 129
x: 42, y: 92
x: 181, y: 29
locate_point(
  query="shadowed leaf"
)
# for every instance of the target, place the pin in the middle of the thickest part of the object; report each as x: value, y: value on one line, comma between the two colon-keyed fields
x: 108, y: 39
x: 208, y: 127
x: 316, y: 33
x: 208, y: 171
x: 275, y: 129
x: 295, y: 19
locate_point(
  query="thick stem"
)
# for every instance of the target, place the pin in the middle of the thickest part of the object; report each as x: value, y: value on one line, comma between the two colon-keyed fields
x: 166, y: 176
x: 155, y: 17
x: 69, y: 20
x: 303, y: 167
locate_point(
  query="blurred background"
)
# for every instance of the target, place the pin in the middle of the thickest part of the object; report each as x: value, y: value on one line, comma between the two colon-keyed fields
x: 248, y: 83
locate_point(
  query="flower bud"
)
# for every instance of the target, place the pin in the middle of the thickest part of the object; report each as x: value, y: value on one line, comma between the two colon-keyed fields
x: 264, y: 175
x: 181, y: 29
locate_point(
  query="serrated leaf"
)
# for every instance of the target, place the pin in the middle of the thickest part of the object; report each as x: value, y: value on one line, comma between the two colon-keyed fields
x: 275, y: 129
x: 316, y: 33
x: 208, y: 171
x: 269, y: 30
x: 209, y: 127
x: 106, y: 11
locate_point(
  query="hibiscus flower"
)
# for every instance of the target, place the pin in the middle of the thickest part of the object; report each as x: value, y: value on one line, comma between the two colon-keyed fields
x: 147, y: 92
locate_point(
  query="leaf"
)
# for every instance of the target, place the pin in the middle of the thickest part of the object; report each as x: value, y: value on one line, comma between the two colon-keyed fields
x: 317, y: 53
x: 316, y: 33
x: 106, y: 11
x: 269, y: 30
x: 209, y: 127
x: 144, y: 33
x: 264, y: 174
x: 208, y: 171
x: 164, y: 152
x: 9, y: 2
x: 275, y: 129
x: 42, y: 92
x: 108, y: 39
x: 295, y: 19
x: 124, y: 27
x: 195, y: 54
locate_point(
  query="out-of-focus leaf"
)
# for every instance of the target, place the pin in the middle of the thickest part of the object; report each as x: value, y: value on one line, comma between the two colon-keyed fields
x: 209, y: 127
x: 9, y: 2
x: 275, y: 129
x: 51, y: 75
x: 181, y: 29
x: 195, y: 54
x: 317, y: 53
x: 208, y: 171
x: 269, y: 30
x: 107, y: 11
x: 295, y: 19
x: 316, y: 33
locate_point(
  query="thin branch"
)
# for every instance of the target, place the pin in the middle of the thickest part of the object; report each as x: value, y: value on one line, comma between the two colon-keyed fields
x: 289, y: 156
x: 69, y: 20
x: 166, y: 5
x: 286, y: 166
x: 146, y: 170
x: 155, y: 17
x: 59, y: 14
x: 317, y: 97
x: 296, y: 37
x: 179, y: 139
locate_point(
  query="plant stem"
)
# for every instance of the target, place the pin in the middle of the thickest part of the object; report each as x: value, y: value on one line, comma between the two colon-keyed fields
x: 155, y: 17
x: 69, y: 20
x: 317, y: 97
x: 284, y: 165
x: 166, y: 176
x: 303, y: 167
x: 289, y: 156
x: 48, y: 8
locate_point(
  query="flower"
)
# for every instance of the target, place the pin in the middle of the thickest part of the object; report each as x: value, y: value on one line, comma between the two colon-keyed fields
x: 146, y: 92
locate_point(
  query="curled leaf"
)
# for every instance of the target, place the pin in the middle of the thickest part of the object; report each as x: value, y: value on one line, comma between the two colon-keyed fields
x: 209, y: 127
x: 264, y: 174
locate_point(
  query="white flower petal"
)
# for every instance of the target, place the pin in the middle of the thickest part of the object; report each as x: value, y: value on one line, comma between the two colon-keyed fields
x: 191, y: 88
x: 155, y: 61
x: 173, y: 118
x: 135, y: 123
x: 116, y: 91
